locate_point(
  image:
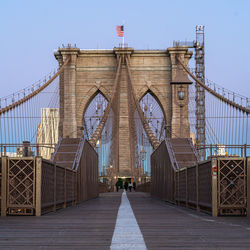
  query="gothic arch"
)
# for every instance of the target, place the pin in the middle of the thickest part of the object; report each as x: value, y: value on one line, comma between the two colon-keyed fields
x: 154, y: 114
x: 93, y: 111
x: 155, y: 93
x: 86, y: 100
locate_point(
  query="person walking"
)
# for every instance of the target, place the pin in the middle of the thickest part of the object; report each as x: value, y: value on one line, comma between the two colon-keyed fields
x: 130, y: 186
x: 134, y: 186
x: 117, y: 186
x: 126, y: 186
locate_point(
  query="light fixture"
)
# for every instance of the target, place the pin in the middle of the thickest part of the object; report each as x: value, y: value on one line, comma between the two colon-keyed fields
x: 181, y: 94
x: 179, y: 81
x: 143, y: 154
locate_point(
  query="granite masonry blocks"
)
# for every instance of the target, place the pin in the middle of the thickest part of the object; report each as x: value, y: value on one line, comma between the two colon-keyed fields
x: 94, y: 70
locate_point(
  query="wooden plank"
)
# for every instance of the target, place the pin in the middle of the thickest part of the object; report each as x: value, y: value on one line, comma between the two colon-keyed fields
x: 88, y: 225
x: 166, y: 226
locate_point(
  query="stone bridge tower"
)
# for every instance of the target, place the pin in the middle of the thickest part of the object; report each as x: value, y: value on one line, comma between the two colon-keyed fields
x: 90, y: 71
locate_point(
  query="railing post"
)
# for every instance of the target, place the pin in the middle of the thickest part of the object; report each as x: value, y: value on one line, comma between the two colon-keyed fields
x: 214, y: 188
x: 4, y: 186
x: 38, y: 185
x: 76, y: 192
x: 177, y: 187
x: 65, y: 172
x: 72, y: 179
x: 197, y: 187
x: 186, y: 186
x: 248, y: 187
x: 54, y: 207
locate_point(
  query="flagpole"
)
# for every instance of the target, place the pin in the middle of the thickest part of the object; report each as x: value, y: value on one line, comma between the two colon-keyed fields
x: 123, y: 34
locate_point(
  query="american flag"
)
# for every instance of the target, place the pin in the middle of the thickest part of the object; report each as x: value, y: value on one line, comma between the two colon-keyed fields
x: 120, y: 30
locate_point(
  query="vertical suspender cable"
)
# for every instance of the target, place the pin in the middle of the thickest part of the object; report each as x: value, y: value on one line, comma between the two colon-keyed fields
x: 227, y: 124
x: 240, y: 128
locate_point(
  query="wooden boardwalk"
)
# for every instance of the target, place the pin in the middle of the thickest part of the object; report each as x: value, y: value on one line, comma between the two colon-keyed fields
x: 166, y: 226
x: 91, y: 226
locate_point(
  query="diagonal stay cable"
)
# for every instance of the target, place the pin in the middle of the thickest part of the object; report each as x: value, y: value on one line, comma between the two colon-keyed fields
x: 97, y: 134
x: 151, y: 136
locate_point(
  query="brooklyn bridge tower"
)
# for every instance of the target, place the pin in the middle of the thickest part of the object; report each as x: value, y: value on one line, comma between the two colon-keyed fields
x: 106, y: 94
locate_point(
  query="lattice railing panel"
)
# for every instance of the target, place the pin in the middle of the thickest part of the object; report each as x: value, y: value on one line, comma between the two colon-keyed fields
x: 21, y: 189
x: 232, y: 185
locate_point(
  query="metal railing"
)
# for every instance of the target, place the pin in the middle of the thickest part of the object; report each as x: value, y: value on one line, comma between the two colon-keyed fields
x: 58, y: 187
x: 56, y: 148
x: 218, y: 185
x: 33, y: 186
x: 194, y: 186
x: 20, y: 149
x: 228, y: 150
x: 162, y: 174
x: 78, y: 154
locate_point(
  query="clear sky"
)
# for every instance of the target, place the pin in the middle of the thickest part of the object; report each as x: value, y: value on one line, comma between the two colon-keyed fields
x: 32, y: 29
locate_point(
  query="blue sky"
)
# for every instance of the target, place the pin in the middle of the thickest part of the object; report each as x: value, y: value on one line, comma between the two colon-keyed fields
x: 31, y: 30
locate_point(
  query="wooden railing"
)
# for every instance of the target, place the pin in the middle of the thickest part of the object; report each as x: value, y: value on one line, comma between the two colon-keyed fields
x: 162, y: 174
x: 58, y: 186
x: 193, y: 186
x: 33, y: 186
x: 144, y: 187
x: 220, y: 185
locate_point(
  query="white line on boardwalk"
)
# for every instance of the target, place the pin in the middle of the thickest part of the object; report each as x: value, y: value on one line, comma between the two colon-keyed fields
x: 127, y: 234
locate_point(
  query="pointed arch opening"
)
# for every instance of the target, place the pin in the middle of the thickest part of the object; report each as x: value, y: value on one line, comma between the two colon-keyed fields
x: 154, y: 114
x: 93, y: 114
x: 104, y: 147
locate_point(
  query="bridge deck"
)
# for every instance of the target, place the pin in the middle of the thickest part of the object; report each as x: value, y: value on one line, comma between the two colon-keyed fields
x: 91, y: 226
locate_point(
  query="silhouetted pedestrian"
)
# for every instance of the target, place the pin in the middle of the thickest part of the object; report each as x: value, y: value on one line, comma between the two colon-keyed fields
x: 126, y: 186
x: 130, y: 186
x: 134, y: 186
x: 117, y: 186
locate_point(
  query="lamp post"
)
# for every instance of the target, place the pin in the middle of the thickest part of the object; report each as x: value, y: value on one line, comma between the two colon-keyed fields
x: 180, y: 84
x: 100, y: 163
x: 111, y: 175
x: 142, y: 159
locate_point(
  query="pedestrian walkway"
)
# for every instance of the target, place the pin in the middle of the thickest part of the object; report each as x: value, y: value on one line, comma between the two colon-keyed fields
x: 89, y: 226
x: 166, y: 226
x: 95, y: 225
x: 127, y: 234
